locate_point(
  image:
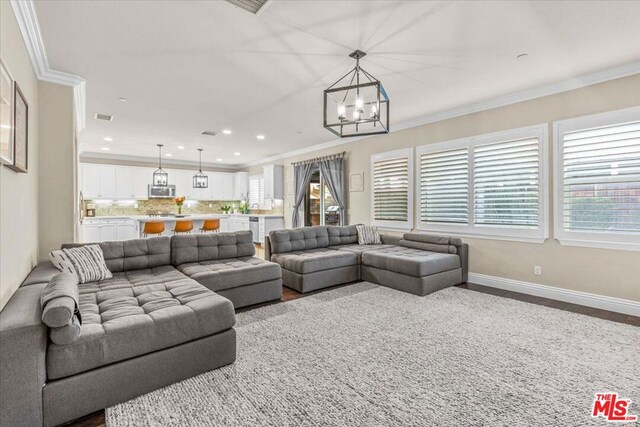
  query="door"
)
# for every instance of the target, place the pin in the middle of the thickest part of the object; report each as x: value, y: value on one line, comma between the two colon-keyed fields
x: 320, y: 207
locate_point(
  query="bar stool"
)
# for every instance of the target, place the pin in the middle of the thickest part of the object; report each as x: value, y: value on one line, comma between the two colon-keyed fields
x: 210, y: 225
x: 183, y: 226
x: 153, y: 227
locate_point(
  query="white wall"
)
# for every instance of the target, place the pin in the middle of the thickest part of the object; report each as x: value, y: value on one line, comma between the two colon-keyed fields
x: 613, y: 273
x: 18, y: 192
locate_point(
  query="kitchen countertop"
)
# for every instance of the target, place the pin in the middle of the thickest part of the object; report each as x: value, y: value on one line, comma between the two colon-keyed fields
x: 195, y: 217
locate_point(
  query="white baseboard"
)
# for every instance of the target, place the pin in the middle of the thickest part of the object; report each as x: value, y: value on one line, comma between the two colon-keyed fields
x: 617, y: 305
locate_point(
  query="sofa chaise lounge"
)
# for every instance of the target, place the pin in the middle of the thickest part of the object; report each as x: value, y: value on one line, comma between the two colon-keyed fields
x: 166, y: 314
x: 317, y: 257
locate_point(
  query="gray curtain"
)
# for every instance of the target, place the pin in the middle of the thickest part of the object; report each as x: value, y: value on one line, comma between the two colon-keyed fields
x: 302, y: 175
x: 333, y: 172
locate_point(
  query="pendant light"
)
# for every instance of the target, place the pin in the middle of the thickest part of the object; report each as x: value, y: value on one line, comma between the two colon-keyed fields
x: 200, y: 180
x: 357, y: 104
x: 160, y: 177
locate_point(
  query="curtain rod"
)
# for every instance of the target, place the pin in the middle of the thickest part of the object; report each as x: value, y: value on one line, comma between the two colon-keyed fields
x: 317, y: 159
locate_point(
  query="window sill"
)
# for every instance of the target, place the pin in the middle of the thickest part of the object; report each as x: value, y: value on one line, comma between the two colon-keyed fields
x: 598, y: 244
x: 522, y: 239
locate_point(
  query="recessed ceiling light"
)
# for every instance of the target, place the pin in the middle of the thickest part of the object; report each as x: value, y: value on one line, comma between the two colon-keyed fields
x: 218, y: 160
x: 168, y: 154
x: 105, y: 148
x: 108, y: 138
x: 236, y: 154
x: 260, y: 136
x: 522, y: 56
x: 180, y: 147
x: 226, y: 132
x: 122, y: 99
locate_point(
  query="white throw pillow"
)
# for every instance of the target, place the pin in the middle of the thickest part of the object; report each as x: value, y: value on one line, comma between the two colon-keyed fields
x: 87, y: 262
x: 61, y: 262
x: 368, y: 235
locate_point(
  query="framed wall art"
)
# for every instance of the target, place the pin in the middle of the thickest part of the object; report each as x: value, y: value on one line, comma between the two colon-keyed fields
x: 6, y: 116
x: 20, y: 131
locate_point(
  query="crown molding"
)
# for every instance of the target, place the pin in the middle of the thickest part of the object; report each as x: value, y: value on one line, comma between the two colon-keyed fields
x: 25, y: 13
x: 87, y: 157
x: 488, y: 104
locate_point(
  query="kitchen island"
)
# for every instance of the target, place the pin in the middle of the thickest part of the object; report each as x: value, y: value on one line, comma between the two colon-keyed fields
x: 105, y: 228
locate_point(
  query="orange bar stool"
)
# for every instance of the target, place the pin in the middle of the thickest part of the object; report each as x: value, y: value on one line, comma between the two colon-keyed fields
x: 153, y: 227
x: 183, y: 226
x: 212, y: 225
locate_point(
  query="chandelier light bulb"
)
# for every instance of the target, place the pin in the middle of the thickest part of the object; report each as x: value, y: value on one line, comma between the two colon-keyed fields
x: 359, y: 104
x: 374, y: 111
x: 356, y: 115
x: 342, y: 111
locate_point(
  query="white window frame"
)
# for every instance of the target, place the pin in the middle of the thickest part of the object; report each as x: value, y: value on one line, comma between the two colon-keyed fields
x: 592, y: 239
x: 539, y: 235
x: 395, y: 225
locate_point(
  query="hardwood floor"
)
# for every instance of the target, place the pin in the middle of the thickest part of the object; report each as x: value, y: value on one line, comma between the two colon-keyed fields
x: 97, y: 418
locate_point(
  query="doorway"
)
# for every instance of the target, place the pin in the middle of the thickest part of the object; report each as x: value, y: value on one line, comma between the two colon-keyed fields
x: 319, y: 207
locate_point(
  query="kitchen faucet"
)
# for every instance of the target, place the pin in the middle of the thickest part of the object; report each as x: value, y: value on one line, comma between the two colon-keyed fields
x: 256, y: 205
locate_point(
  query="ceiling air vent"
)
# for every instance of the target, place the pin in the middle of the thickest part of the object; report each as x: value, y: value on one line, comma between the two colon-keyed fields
x: 106, y: 117
x: 208, y: 133
x: 252, y: 6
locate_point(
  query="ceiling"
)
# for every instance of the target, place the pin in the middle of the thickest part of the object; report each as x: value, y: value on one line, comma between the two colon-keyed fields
x: 185, y: 67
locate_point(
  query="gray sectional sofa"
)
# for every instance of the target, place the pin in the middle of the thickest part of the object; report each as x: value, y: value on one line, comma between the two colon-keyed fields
x: 166, y: 314
x: 317, y: 257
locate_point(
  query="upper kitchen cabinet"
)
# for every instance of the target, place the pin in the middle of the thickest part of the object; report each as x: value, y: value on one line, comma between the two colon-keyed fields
x: 221, y: 185
x: 241, y: 185
x: 98, y: 181
x: 132, y: 182
x: 273, y: 182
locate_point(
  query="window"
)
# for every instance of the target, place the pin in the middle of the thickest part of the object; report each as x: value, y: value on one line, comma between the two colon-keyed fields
x: 256, y: 192
x: 392, y: 189
x: 597, y: 197
x: 486, y: 186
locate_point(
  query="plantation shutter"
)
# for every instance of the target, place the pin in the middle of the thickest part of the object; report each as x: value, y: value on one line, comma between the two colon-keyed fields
x: 444, y: 186
x: 601, y: 178
x: 506, y: 183
x: 391, y: 189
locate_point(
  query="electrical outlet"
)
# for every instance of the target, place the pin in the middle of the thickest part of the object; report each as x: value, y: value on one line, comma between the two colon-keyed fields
x: 537, y: 270
x: 135, y: 206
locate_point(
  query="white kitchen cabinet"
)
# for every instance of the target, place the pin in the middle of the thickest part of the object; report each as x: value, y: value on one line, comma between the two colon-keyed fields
x: 268, y: 224
x: 126, y: 230
x: 107, y: 182
x: 90, y: 176
x: 91, y: 233
x: 142, y: 177
x: 240, y: 185
x: 273, y: 182
x: 124, y: 182
x: 224, y: 225
x: 215, y: 185
x: 238, y: 223
x: 227, y: 186
x: 108, y: 229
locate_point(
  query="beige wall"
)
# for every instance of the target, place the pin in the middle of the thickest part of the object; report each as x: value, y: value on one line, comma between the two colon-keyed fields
x: 57, y: 165
x: 607, y: 272
x: 18, y: 192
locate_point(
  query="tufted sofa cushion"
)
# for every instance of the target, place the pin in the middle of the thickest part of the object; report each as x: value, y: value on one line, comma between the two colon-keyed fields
x: 360, y: 249
x: 299, y: 239
x: 135, y: 254
x: 342, y: 235
x: 310, y: 261
x: 222, y: 274
x: 138, y: 312
x: 412, y: 262
x: 189, y: 248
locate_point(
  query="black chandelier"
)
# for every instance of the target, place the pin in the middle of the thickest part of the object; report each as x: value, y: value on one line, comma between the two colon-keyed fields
x: 357, y: 104
x: 200, y: 180
x: 160, y: 177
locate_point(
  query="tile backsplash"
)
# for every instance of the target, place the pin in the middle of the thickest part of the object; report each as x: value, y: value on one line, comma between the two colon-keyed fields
x: 143, y: 207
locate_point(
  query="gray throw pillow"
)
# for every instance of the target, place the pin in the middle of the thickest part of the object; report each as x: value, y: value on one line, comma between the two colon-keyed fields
x: 88, y: 263
x: 368, y: 235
